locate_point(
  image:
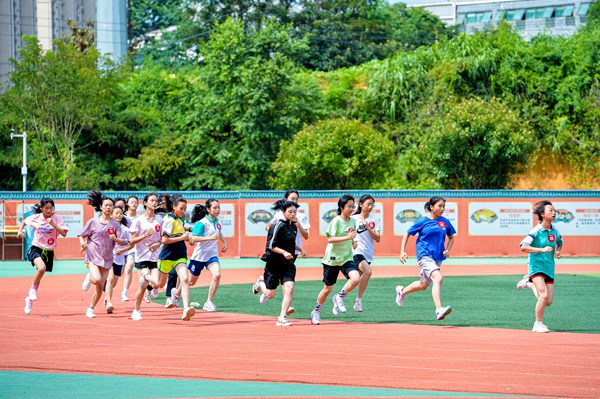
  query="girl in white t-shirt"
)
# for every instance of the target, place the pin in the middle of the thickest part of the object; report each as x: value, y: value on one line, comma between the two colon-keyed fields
x: 367, y: 233
x: 47, y: 225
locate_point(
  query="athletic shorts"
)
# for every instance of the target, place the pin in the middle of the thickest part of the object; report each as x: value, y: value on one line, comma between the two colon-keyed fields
x: 131, y: 256
x: 330, y: 273
x: 428, y: 266
x: 146, y: 264
x: 547, y: 279
x: 195, y: 266
x: 47, y: 256
x: 166, y: 265
x: 117, y: 269
x: 359, y: 258
x: 278, y: 272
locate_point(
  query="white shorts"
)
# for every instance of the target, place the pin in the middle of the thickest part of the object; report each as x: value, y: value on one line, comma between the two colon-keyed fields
x: 428, y: 266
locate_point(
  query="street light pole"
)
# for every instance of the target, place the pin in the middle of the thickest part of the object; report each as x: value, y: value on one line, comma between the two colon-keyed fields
x: 24, y: 168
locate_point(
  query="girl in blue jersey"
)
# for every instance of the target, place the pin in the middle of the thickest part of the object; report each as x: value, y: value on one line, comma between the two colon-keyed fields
x: 432, y: 249
x: 543, y: 244
x: 205, y: 234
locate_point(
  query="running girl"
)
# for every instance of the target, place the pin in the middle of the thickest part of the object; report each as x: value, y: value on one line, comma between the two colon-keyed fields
x: 47, y: 225
x: 98, y: 239
x: 130, y: 215
x: 146, y: 236
x: 341, y: 233
x: 367, y: 233
x: 174, y: 253
x: 301, y: 222
x: 543, y: 244
x: 118, y: 258
x: 279, y: 258
x: 206, y: 233
x: 432, y: 249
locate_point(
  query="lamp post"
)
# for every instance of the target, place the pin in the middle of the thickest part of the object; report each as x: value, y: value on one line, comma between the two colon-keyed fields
x: 24, y: 168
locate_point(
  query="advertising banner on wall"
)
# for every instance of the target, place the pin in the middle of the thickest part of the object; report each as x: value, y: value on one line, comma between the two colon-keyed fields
x: 407, y: 213
x: 258, y: 214
x: 500, y: 218
x: 226, y: 217
x: 577, y: 218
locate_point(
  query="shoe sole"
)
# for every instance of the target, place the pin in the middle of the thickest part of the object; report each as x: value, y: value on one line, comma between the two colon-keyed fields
x: 110, y: 309
x: 188, y: 314
x: 278, y: 324
x: 169, y: 306
x: 290, y: 311
x: 28, y: 307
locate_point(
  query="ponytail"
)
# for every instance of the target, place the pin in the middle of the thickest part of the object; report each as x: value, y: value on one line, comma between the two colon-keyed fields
x: 96, y: 198
x: 432, y: 201
x: 37, y: 208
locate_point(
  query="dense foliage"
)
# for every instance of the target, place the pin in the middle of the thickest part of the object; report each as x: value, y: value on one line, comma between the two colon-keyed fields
x: 243, y: 111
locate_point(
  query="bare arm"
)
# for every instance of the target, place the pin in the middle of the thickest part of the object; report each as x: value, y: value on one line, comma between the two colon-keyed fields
x: 534, y: 250
x: 449, y: 246
x: 403, y: 254
x: 171, y: 240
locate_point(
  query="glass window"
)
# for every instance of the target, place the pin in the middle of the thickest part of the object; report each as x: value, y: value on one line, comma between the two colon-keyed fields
x: 500, y: 15
x: 568, y: 11
x: 515, y: 15
x: 583, y: 9
x: 471, y: 18
x: 486, y: 17
x: 548, y: 11
x: 460, y: 19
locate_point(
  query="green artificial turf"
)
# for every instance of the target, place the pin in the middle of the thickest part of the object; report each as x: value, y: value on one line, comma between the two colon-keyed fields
x: 478, y: 301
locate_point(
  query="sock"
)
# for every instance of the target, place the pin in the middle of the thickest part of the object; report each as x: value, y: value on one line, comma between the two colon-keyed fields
x: 342, y: 293
x: 34, y: 287
x: 358, y: 299
x: 318, y: 307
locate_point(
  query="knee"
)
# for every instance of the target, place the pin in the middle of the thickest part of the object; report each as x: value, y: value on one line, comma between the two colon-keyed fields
x: 367, y: 273
x: 185, y: 280
x: 423, y: 286
x: 327, y: 289
x: 270, y: 294
x: 216, y: 277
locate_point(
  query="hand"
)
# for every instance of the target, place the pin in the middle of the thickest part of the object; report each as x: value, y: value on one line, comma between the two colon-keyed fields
x: 153, y: 247
x: 224, y: 249
x: 148, y: 233
x: 83, y: 247
x: 112, y: 237
x: 120, y: 251
x: 403, y: 257
x: 288, y: 255
x: 446, y: 253
x: 354, y: 244
x: 557, y: 254
x: 547, y: 249
x: 20, y: 234
x: 352, y: 235
x: 214, y: 236
x: 303, y: 253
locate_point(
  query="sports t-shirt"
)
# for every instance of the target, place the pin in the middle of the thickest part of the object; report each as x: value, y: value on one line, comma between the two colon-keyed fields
x: 336, y: 254
x: 142, y: 249
x: 366, y: 243
x: 205, y: 250
x: 99, y: 244
x: 539, y: 237
x: 125, y: 236
x: 172, y: 226
x: 44, y: 235
x: 302, y: 221
x: 282, y: 235
x: 432, y: 236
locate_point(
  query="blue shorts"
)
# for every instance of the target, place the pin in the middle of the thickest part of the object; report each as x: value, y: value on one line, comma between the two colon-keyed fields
x: 195, y: 266
x: 359, y: 258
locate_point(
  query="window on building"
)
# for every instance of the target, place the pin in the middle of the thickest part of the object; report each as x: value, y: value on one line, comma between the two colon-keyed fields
x: 501, y: 15
x: 548, y: 12
x: 460, y: 19
x: 515, y: 15
x: 583, y: 9
x: 486, y: 17
x: 564, y: 11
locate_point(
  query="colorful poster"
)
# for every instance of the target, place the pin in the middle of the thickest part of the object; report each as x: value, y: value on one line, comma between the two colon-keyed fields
x: 500, y: 218
x: 256, y: 217
x: 327, y: 211
x: 226, y: 217
x: 407, y: 213
x: 577, y: 218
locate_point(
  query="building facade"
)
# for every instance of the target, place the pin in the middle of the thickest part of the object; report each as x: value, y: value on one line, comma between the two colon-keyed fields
x: 530, y: 17
x: 47, y: 19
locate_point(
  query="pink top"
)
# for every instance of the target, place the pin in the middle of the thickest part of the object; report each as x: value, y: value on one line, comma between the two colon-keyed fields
x: 44, y: 234
x: 99, y: 245
x: 142, y: 249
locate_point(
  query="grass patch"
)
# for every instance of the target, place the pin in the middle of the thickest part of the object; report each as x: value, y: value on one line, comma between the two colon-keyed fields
x: 478, y: 301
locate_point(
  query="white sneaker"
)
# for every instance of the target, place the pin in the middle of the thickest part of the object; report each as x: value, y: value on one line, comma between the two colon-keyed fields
x: 283, y: 322
x: 338, y: 302
x: 28, y: 305
x: 209, y: 306
x: 124, y: 297
x: 174, y: 297
x: 33, y: 294
x: 441, y: 313
x: 109, y: 308
x: 154, y: 293
x: 263, y: 299
x: 89, y: 313
x: 290, y: 310
x: 256, y: 286
x: 136, y: 315
x: 195, y: 305
x: 169, y: 303
x: 188, y: 313
x: 523, y: 282
x: 358, y: 305
x: 147, y: 296
x: 540, y: 327
x: 85, y: 286
x: 399, y: 296
x: 336, y: 310
x: 143, y: 273
x: 315, y: 317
